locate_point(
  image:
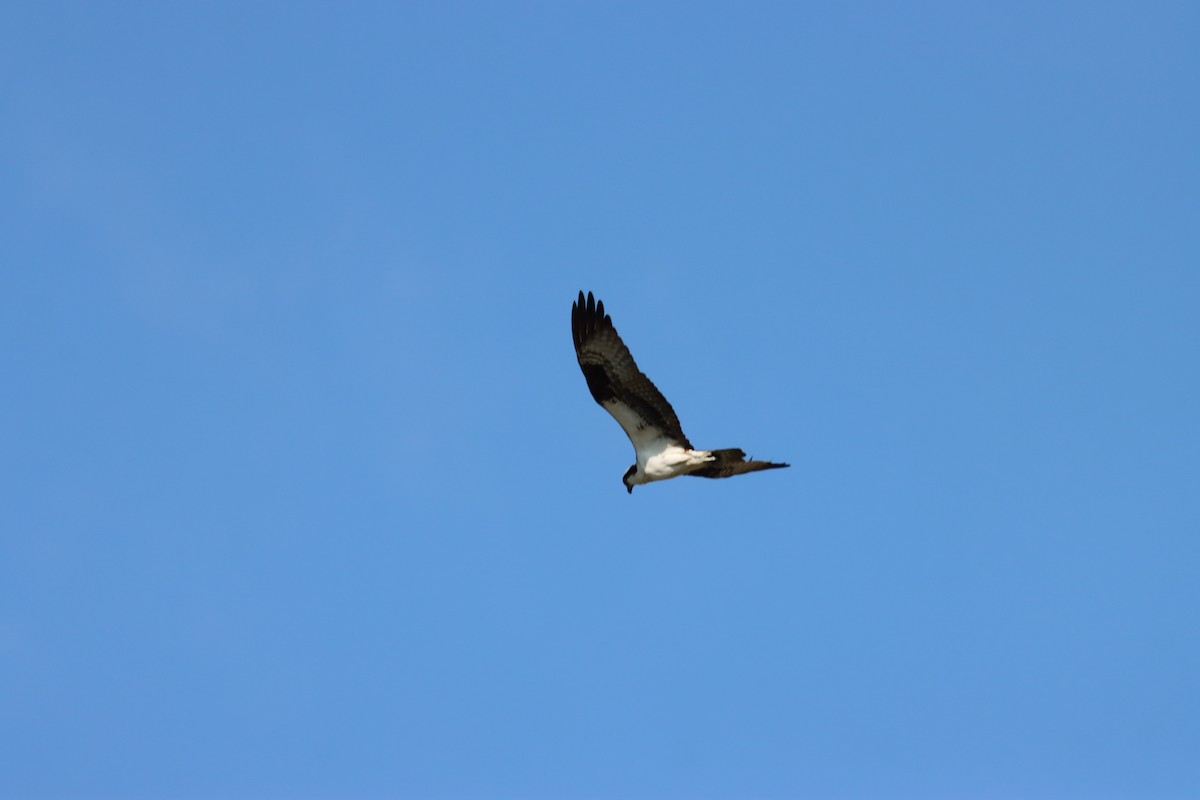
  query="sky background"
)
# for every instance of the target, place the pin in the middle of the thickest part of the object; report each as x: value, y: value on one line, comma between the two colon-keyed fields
x: 303, y: 494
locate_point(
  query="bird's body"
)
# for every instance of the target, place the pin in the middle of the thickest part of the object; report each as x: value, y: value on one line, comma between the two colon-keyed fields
x: 665, y: 460
x: 639, y: 408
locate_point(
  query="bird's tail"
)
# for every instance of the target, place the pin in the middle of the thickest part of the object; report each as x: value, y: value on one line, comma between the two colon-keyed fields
x: 730, y: 462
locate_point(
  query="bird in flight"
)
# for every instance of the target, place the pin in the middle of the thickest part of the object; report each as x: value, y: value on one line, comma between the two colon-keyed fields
x: 640, y: 409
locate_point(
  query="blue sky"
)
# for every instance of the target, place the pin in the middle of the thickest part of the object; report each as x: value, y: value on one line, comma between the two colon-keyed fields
x: 303, y: 494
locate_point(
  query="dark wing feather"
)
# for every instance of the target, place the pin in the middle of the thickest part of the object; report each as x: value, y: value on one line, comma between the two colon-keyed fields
x: 611, y: 373
x: 733, y: 462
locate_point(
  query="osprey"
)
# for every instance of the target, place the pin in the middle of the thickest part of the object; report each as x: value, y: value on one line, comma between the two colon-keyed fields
x: 648, y: 420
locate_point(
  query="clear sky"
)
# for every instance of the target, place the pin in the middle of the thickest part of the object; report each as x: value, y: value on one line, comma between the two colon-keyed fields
x: 303, y: 494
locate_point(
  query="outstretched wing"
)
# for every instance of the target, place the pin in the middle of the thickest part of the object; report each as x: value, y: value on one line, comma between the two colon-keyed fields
x: 615, y: 380
x: 732, y: 462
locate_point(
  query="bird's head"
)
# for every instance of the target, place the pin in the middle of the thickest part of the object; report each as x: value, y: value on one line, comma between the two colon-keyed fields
x: 627, y: 479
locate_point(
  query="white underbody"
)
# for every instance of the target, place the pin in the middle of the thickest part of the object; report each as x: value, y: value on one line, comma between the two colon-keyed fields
x: 668, y: 460
x: 658, y: 457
